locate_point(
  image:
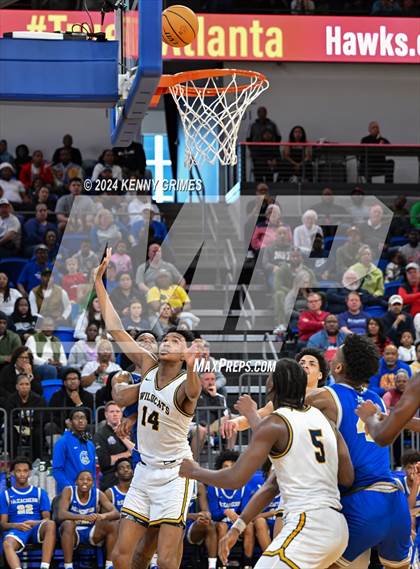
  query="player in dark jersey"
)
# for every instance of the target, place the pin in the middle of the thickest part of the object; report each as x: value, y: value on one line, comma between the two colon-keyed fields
x: 86, y: 516
x: 25, y: 517
x: 117, y: 493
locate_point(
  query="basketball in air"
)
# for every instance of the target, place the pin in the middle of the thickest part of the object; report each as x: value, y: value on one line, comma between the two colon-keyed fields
x: 179, y: 26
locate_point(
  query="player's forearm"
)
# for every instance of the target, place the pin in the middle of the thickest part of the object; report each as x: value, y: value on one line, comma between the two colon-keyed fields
x: 413, y: 425
x: 115, y: 457
x: 125, y: 395
x: 260, y: 500
x: 242, y: 423
x: 64, y: 515
x: 192, y: 384
x: 112, y: 320
x: 225, y: 478
x: 111, y: 516
x: 380, y: 430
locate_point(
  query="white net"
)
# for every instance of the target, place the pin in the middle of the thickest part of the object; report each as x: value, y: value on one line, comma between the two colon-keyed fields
x: 211, y: 114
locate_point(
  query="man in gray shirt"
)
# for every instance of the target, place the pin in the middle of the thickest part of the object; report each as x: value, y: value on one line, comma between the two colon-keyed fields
x: 147, y: 272
x: 84, y: 205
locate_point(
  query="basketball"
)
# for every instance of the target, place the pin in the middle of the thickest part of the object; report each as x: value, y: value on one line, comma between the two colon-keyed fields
x: 179, y: 26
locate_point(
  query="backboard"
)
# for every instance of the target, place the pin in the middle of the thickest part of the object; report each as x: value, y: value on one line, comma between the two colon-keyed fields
x: 139, y: 31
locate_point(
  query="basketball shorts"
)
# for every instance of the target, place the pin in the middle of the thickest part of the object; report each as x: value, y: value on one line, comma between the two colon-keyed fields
x: 377, y: 517
x: 24, y: 537
x: 84, y: 536
x: 309, y: 540
x: 157, y: 496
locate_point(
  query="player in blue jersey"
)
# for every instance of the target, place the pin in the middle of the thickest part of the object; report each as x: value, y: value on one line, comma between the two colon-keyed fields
x: 375, y: 508
x: 117, y: 493
x: 87, y: 517
x: 25, y: 517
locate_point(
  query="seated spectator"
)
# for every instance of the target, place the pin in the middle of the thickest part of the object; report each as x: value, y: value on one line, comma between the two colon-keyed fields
x: 266, y: 158
x: 311, y: 320
x: 73, y: 279
x: 394, y: 269
x: 415, y: 366
x: 134, y: 322
x: 105, y: 232
x: 121, y: 259
x: 70, y: 395
x: 5, y: 155
x: 411, y: 250
x: 164, y: 320
x: 304, y: 234
x: 289, y: 307
x: 95, y: 374
x: 80, y: 207
x: 209, y: 420
x: 124, y: 294
x: 147, y: 272
x: 328, y: 339
x: 47, y: 348
x: 375, y: 331
x: 107, y: 160
x: 392, y: 396
x: 396, y: 321
x: 8, y: 295
x: 136, y: 205
x: 287, y: 271
x: 165, y: 291
x: 277, y: 253
x: 386, y: 8
x: 9, y: 341
x: 50, y: 299
x: 371, y: 276
x: 53, y: 246
x: 131, y: 158
x: 26, y: 423
x: 329, y: 213
x: 75, y: 155
x: 86, y: 517
x: 68, y: 464
x: 324, y: 266
x: 407, y: 351
x: 373, y: 232
x: 84, y: 351
x: 298, y: 159
x: 44, y: 196
x: 37, y: 168
x: 226, y: 506
x: 30, y: 277
x: 22, y: 321
x: 260, y: 125
x: 91, y: 315
x: 389, y: 366
x: 25, y: 516
x: 64, y: 170
x: 156, y: 230
x: 13, y: 190
x: 34, y: 229
x: 257, y: 207
x: 359, y: 212
x: 410, y: 290
x: 220, y: 378
x: 337, y: 297
x: 376, y: 164
x: 354, y: 319
x: 10, y: 231
x: 22, y: 157
x: 22, y: 362
x: 302, y: 7
x: 266, y: 233
x: 86, y: 258
x: 109, y: 447
x: 124, y: 474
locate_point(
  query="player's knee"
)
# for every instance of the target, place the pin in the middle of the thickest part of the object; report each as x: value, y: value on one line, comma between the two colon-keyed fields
x: 50, y: 526
x: 67, y: 527
x: 8, y: 545
x: 259, y: 524
x: 167, y: 560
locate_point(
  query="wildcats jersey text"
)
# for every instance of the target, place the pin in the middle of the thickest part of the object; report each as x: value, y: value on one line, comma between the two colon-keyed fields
x: 162, y: 427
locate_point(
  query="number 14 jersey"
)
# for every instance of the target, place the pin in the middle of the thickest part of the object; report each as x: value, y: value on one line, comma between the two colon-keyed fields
x: 162, y: 426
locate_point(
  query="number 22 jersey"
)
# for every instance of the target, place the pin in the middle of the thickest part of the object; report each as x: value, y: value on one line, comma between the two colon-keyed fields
x: 24, y: 504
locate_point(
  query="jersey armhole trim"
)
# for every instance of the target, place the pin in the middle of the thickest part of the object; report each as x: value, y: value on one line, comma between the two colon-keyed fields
x: 275, y: 455
x: 143, y: 375
x: 337, y: 404
x: 178, y: 408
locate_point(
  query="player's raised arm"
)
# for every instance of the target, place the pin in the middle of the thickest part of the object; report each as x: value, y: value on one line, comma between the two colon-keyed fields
x: 385, y: 429
x: 241, y: 423
x: 269, y: 433
x: 138, y: 355
x: 190, y: 390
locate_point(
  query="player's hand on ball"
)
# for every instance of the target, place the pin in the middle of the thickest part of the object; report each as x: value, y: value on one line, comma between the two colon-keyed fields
x: 188, y: 468
x: 366, y: 409
x: 245, y: 405
x: 226, y: 544
x: 100, y: 271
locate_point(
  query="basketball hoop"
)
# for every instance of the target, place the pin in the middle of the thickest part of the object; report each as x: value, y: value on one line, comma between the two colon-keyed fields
x: 211, y: 113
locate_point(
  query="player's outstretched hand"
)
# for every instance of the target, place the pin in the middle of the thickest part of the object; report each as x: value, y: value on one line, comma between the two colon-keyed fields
x: 195, y: 352
x: 226, y: 544
x: 367, y: 409
x: 188, y: 468
x: 100, y: 270
x: 246, y: 405
x: 123, y: 430
x: 228, y: 428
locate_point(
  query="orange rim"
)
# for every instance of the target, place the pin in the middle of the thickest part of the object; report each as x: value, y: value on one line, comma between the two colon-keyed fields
x: 168, y: 81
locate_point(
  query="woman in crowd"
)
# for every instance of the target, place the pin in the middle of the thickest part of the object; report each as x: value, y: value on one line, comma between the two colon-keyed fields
x: 304, y: 235
x: 85, y: 351
x: 23, y: 321
x: 134, y: 322
x: 124, y: 294
x: 91, y: 315
x: 166, y: 319
x: 298, y: 158
x: 8, y: 296
x: 375, y: 331
x: 42, y: 194
x: 105, y: 231
x: 51, y: 241
x: 107, y: 161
